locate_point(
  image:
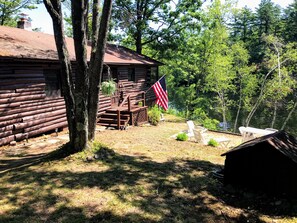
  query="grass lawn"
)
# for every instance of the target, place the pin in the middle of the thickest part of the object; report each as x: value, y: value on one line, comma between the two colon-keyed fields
x: 151, y: 178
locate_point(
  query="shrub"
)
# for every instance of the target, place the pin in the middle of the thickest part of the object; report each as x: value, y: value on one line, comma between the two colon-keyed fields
x: 108, y: 87
x: 154, y: 115
x: 211, y: 124
x: 213, y: 143
x: 182, y: 137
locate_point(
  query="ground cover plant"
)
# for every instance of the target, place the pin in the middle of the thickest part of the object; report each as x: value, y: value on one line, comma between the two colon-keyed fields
x: 149, y: 177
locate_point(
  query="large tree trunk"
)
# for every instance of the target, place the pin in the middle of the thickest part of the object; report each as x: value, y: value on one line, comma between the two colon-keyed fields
x: 85, y: 96
x: 79, y: 10
x: 96, y: 64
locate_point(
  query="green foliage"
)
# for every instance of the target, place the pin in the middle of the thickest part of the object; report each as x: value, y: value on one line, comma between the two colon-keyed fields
x: 154, y: 115
x: 182, y: 136
x: 215, y: 71
x: 211, y: 124
x: 9, y: 10
x: 108, y: 87
x: 213, y: 142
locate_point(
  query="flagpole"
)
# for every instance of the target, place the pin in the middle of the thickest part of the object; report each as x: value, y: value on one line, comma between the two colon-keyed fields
x: 153, y: 84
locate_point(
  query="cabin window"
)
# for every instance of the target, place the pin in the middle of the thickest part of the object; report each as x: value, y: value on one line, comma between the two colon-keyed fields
x: 131, y: 74
x: 52, y: 83
x: 152, y: 75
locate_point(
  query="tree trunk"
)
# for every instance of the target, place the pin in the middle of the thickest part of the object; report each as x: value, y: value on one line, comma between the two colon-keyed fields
x: 239, y: 108
x: 260, y: 97
x: 289, y: 116
x: 79, y: 10
x: 274, y: 114
x: 138, y: 33
x: 77, y: 100
x: 96, y: 66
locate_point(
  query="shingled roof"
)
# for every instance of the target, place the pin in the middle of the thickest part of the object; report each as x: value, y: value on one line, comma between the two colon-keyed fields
x: 281, y: 141
x: 19, y: 43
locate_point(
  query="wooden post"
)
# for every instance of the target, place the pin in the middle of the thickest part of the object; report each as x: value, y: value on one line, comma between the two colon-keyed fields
x: 143, y: 99
x: 129, y: 104
x: 119, y: 118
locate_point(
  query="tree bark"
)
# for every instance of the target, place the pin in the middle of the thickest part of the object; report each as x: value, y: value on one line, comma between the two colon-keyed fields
x: 96, y: 67
x: 79, y: 10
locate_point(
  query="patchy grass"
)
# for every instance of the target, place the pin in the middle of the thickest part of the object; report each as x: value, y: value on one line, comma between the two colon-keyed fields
x: 150, y: 178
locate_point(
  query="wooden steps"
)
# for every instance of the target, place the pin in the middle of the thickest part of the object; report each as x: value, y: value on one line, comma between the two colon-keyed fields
x: 110, y: 119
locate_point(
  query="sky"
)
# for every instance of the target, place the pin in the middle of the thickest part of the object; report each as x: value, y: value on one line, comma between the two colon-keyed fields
x: 41, y: 19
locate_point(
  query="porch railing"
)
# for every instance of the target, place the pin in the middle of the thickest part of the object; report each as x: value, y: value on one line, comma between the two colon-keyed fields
x: 127, y: 100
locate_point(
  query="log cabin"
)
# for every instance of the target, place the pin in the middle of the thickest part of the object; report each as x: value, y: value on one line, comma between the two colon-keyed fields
x: 31, y: 100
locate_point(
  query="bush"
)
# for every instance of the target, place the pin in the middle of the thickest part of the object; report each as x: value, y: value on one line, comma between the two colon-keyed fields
x: 211, y: 124
x: 213, y: 143
x: 154, y: 115
x: 182, y: 137
x: 108, y: 87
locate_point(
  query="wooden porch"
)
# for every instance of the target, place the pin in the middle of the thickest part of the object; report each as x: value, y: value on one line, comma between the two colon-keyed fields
x: 128, y: 110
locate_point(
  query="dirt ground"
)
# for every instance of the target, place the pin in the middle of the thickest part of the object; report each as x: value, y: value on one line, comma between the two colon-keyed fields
x: 34, y: 149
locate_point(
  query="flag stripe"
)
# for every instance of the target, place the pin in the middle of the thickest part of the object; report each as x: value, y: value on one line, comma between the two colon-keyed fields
x: 161, y: 93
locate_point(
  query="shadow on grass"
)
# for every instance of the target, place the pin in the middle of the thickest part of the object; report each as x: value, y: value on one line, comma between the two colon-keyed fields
x: 178, y: 191
x: 26, y: 160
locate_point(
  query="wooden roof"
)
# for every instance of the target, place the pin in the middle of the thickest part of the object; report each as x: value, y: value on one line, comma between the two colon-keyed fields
x: 19, y: 43
x: 281, y: 141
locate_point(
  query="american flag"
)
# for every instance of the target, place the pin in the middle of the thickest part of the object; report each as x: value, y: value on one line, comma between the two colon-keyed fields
x: 161, y: 93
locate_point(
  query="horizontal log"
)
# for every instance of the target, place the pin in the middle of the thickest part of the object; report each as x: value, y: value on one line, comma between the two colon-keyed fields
x: 42, y: 88
x: 40, y: 102
x: 10, y: 95
x: 43, y: 115
x: 6, y: 128
x: 4, y: 134
x: 47, y: 129
x: 9, y: 76
x: 29, y: 113
x: 22, y: 98
x: 29, y: 71
x: 42, y: 111
x: 10, y: 122
x: 7, y: 140
x: 21, y: 81
x: 16, y: 86
x: 45, y: 124
x: 38, y: 121
x: 21, y: 136
x: 10, y: 105
x: 6, y: 91
x: 54, y: 106
x: 4, y: 70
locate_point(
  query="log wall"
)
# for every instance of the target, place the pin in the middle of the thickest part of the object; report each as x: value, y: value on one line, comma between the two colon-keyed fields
x: 134, y: 87
x: 30, y: 98
x: 30, y: 101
